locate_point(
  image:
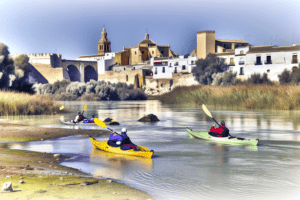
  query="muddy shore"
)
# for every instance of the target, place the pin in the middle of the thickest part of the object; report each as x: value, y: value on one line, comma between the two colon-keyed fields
x: 44, y: 177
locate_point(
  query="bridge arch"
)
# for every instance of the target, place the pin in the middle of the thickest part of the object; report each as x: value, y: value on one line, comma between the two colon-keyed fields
x: 90, y: 74
x: 73, y: 73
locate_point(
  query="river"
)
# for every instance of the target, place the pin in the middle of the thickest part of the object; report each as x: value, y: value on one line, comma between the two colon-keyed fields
x: 184, y: 168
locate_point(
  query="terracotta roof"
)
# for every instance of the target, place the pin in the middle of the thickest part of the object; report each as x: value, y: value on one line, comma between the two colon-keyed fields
x: 161, y: 58
x: 263, y: 49
x: 147, y: 41
x: 231, y: 40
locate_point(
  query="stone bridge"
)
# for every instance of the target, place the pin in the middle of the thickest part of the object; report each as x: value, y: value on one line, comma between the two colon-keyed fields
x: 82, y: 71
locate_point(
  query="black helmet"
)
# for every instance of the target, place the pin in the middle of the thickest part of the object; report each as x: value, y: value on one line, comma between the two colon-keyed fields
x: 78, y: 112
x: 222, y: 123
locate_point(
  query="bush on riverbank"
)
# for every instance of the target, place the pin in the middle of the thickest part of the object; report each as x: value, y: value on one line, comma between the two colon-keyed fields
x: 247, y: 96
x: 90, y: 91
x: 14, y: 103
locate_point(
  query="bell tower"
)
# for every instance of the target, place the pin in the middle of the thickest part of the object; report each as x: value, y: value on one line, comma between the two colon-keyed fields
x: 103, y: 44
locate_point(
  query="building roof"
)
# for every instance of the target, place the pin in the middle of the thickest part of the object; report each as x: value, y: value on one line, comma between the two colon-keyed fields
x: 161, y: 58
x: 225, y: 53
x: 88, y: 56
x: 273, y: 48
x: 147, y: 40
x: 231, y: 40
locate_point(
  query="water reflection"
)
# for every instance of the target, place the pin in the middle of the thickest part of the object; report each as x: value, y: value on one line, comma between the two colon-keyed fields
x: 116, y: 166
x: 184, y: 168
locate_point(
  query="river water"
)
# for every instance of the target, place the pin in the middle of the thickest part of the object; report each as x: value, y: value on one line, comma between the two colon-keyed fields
x: 184, y: 168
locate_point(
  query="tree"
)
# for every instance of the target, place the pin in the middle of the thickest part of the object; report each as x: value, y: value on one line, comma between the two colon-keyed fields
x: 256, y: 78
x: 21, y: 71
x: 205, y: 68
x: 285, y: 77
x: 6, y: 68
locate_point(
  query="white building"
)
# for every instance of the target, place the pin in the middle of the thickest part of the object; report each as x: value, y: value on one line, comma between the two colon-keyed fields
x: 165, y: 67
x: 104, y: 63
x: 262, y: 59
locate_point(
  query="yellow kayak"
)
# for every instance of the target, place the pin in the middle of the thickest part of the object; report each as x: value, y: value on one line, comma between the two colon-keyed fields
x: 102, y: 145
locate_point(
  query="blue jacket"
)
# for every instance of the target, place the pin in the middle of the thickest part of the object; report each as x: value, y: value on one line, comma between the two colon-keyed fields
x: 116, y: 137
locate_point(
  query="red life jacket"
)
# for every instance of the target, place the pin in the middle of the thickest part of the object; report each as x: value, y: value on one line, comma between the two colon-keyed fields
x: 218, y: 131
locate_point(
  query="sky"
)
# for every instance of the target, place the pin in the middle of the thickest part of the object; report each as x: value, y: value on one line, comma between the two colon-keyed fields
x: 73, y: 28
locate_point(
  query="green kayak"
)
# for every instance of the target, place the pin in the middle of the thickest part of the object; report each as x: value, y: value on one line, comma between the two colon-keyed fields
x: 226, y: 140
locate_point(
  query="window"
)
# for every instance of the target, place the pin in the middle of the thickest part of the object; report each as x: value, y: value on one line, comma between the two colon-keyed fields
x: 162, y: 52
x: 176, y: 64
x: 295, y: 60
x: 192, y: 62
x: 241, y: 62
x: 231, y: 61
x: 242, y: 71
x: 175, y: 71
x: 124, y: 68
x: 268, y: 71
x: 163, y: 70
x: 135, y: 52
x: 242, y: 52
x: 269, y: 61
x: 170, y: 64
x: 155, y: 70
x: 183, y: 67
x: 152, y: 52
x: 126, y: 77
x: 258, y: 60
x: 142, y: 52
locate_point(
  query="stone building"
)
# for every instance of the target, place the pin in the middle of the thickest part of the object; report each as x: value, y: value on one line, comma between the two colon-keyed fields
x: 142, y: 53
x: 207, y: 43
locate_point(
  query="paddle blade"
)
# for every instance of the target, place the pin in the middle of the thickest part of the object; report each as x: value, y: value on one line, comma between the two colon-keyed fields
x: 206, y: 110
x: 61, y: 108
x: 100, y: 123
x: 84, y: 108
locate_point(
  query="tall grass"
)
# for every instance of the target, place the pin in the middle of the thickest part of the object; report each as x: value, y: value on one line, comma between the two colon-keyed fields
x: 14, y: 103
x: 280, y: 97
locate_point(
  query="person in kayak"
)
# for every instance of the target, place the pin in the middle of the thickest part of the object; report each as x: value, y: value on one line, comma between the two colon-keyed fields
x: 222, y: 131
x: 92, y: 119
x: 78, y: 118
x: 122, y: 140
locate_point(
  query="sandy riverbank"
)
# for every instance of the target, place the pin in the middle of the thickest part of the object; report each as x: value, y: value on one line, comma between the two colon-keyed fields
x: 44, y: 178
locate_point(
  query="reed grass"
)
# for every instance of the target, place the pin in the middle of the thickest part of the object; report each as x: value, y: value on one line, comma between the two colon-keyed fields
x: 280, y: 97
x: 14, y: 103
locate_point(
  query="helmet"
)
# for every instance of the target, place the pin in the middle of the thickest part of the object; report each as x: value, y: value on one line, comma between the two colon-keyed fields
x: 222, y: 123
x: 78, y: 112
x: 124, y: 130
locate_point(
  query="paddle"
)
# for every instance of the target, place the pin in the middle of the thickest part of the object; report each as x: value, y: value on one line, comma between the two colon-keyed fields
x: 208, y: 113
x: 102, y: 124
x: 84, y: 108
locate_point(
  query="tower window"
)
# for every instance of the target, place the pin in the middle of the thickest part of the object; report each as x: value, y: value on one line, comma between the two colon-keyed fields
x: 135, y: 52
x: 142, y: 52
x: 152, y: 52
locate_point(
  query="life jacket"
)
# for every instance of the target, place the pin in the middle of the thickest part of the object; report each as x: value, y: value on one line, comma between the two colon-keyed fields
x: 225, y: 132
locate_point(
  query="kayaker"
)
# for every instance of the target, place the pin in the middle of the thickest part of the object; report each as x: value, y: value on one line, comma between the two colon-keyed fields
x: 78, y: 118
x: 122, y: 140
x: 222, y: 131
x: 115, y: 140
x: 92, y: 119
